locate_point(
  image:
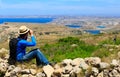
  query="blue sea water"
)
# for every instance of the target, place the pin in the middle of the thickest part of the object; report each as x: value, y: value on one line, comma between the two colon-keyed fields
x: 26, y: 20
x: 73, y: 26
x: 93, y: 31
x: 101, y: 26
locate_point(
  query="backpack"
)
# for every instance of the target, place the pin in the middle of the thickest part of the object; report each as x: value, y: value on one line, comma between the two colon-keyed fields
x: 12, y: 51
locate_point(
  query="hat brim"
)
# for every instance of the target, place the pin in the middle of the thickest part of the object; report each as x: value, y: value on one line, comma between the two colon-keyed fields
x: 24, y: 32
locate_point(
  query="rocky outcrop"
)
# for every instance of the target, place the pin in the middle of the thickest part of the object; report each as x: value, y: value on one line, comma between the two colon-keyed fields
x: 79, y: 67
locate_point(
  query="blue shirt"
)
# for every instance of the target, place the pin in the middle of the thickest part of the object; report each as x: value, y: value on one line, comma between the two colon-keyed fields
x: 21, y: 47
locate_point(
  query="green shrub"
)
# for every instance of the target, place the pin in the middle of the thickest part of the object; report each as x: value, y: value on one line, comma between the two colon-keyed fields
x: 63, y: 49
x: 111, y: 41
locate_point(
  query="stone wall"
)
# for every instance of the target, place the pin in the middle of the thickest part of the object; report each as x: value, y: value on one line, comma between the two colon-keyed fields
x: 79, y: 67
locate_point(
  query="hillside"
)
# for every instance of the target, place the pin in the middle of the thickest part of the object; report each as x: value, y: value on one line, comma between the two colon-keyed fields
x: 76, y: 53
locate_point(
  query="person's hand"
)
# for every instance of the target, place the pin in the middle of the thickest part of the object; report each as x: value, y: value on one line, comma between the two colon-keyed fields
x: 31, y: 33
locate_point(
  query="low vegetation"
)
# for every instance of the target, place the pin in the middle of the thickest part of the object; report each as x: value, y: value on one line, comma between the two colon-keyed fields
x: 70, y: 47
x: 73, y: 47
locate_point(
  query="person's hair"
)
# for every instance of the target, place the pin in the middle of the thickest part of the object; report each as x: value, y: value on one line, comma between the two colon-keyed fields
x: 23, y: 35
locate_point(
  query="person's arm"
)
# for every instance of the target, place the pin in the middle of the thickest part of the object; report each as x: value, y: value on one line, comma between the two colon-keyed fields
x: 32, y: 42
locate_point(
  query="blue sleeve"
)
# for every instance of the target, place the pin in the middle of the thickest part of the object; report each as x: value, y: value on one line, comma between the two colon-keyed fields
x: 31, y: 43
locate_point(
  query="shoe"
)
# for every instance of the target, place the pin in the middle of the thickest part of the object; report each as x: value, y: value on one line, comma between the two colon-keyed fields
x: 52, y: 64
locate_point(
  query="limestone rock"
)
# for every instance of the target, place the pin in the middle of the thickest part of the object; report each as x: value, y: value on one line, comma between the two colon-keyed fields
x: 17, y: 69
x: 74, y: 45
x: 7, y: 74
x: 100, y: 74
x: 114, y: 62
x: 48, y: 70
x: 40, y: 74
x: 67, y: 69
x: 3, y: 50
x: 57, y: 66
x: 106, y: 73
x: 3, y: 67
x: 95, y: 71
x: 104, y: 65
x: 30, y: 75
x: 10, y: 68
x: 93, y: 61
x: 25, y: 71
x: 75, y: 72
x: 66, y: 62
x: 33, y: 72
x: 83, y: 65
x: 25, y: 75
x: 115, y: 73
x: 57, y: 72
x: 76, y: 62
x: 65, y: 75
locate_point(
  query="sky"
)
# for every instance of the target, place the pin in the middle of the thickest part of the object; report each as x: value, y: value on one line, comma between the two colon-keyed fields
x: 60, y: 7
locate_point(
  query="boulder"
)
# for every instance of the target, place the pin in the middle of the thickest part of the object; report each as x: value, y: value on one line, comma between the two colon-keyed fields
x: 104, y: 65
x: 115, y: 62
x: 30, y: 75
x: 40, y: 74
x: 76, y: 62
x: 57, y: 72
x: 3, y: 67
x: 118, y: 69
x: 106, y: 73
x: 7, y: 74
x: 83, y: 65
x: 48, y: 70
x: 57, y: 66
x: 33, y: 71
x: 17, y: 69
x: 93, y: 61
x: 65, y: 75
x: 25, y: 71
x: 25, y: 75
x: 115, y: 73
x: 100, y: 74
x: 95, y: 71
x: 76, y: 72
x: 10, y: 68
x: 66, y: 62
x: 3, y: 50
x: 74, y: 45
x: 67, y: 69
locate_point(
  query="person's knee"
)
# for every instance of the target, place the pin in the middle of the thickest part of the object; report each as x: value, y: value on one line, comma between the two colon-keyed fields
x: 38, y: 51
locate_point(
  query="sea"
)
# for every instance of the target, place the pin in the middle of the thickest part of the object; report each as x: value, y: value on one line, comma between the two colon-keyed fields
x: 93, y: 31
x: 26, y: 20
x: 44, y: 20
x: 73, y: 26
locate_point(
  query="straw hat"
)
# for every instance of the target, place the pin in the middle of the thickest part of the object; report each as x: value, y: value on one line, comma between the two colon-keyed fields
x: 23, y: 30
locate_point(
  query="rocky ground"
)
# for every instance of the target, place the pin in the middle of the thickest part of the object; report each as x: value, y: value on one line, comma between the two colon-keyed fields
x: 78, y: 67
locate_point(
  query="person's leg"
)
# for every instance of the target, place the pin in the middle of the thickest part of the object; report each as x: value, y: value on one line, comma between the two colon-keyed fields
x: 40, y: 58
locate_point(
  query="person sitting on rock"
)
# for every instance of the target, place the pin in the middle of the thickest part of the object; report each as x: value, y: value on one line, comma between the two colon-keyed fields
x: 21, y: 54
